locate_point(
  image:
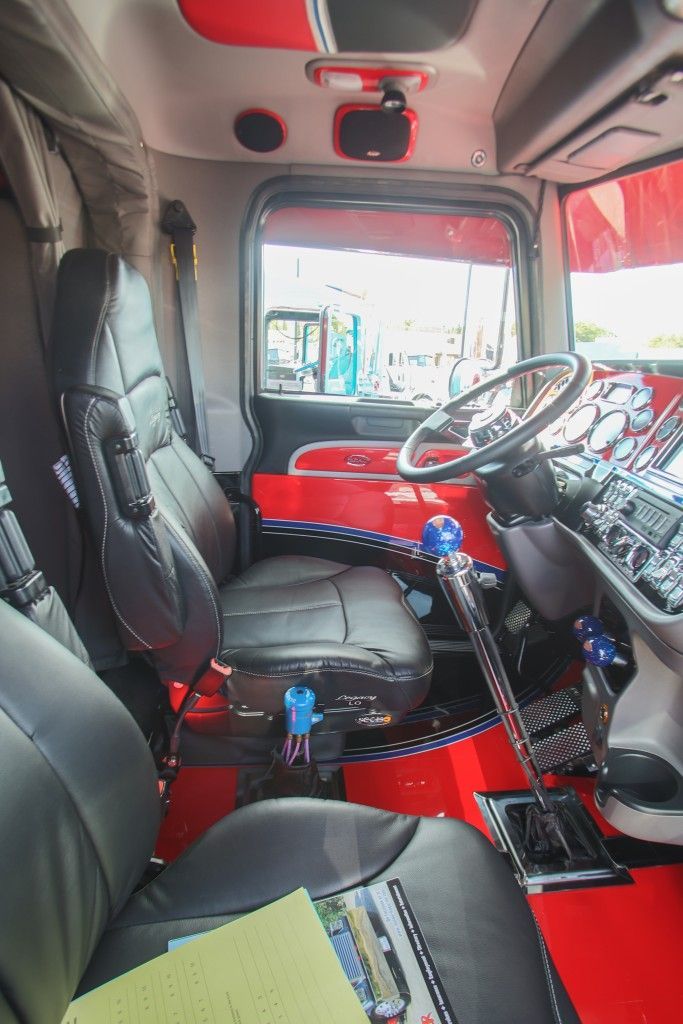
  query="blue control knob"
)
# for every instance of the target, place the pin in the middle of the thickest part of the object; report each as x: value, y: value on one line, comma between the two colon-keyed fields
x: 587, y: 626
x: 600, y: 650
x: 442, y: 535
x: 299, y: 713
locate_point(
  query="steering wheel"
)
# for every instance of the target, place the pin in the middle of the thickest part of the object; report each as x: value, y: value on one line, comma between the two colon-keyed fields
x: 441, y: 421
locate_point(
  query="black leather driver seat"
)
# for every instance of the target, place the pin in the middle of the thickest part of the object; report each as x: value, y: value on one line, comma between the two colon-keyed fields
x: 166, y: 534
x: 80, y: 810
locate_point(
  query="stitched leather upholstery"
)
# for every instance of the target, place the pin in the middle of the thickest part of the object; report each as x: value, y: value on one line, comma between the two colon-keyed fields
x: 80, y: 807
x: 344, y: 631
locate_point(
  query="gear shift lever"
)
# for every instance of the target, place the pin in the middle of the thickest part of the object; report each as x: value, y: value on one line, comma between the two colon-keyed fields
x: 443, y: 536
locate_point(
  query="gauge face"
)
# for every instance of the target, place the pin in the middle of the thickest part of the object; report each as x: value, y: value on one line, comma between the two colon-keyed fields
x: 667, y: 428
x: 594, y: 390
x: 580, y: 422
x: 645, y: 457
x: 624, y: 449
x: 607, y: 431
x: 641, y: 398
x: 642, y: 420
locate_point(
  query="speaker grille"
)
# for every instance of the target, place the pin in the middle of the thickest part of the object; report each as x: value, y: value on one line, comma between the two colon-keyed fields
x: 373, y: 134
x: 261, y: 131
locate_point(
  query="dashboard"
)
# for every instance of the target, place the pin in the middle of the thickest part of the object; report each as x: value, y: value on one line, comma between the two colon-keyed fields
x: 614, y: 547
x: 631, y: 425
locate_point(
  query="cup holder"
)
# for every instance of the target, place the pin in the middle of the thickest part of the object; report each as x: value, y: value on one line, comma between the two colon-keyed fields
x: 642, y: 781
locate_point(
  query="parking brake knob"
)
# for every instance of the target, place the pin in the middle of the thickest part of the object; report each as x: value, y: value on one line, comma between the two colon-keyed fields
x: 601, y: 651
x: 442, y: 536
x: 587, y: 626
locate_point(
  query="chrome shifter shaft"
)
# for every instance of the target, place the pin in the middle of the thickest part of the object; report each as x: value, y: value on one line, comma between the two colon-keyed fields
x: 443, y: 536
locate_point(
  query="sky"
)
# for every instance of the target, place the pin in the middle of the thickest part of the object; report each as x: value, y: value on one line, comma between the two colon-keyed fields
x: 636, y: 305
x: 399, y: 287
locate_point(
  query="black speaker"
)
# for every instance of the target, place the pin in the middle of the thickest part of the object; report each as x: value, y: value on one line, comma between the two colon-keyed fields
x: 373, y: 134
x: 261, y: 131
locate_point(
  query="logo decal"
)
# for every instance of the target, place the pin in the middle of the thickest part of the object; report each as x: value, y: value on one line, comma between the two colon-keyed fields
x: 374, y: 719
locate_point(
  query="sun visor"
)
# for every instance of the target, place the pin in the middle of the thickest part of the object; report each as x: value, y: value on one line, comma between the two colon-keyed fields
x: 610, y: 225
x: 459, y: 237
x: 332, y: 26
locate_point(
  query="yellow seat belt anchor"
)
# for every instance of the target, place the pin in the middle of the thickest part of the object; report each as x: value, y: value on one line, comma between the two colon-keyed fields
x: 174, y: 260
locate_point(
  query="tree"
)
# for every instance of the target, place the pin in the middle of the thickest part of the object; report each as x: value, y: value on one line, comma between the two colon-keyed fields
x: 666, y: 341
x: 330, y: 910
x: 586, y: 332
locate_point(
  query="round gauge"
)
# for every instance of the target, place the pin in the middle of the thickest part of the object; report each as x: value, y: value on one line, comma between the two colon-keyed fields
x: 624, y: 449
x: 667, y: 428
x: 641, y: 420
x: 645, y: 458
x: 607, y: 431
x: 580, y: 422
x: 594, y: 390
x: 641, y: 398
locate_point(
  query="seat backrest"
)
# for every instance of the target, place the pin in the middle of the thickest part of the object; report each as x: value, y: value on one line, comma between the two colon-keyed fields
x: 163, y: 558
x: 79, y: 806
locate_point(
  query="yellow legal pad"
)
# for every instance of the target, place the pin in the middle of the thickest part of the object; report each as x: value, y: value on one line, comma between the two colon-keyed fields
x: 275, y: 966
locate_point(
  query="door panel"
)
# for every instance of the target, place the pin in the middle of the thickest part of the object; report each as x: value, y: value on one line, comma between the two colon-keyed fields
x: 315, y: 482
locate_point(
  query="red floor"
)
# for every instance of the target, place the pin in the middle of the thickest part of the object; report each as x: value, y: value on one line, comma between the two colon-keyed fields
x: 618, y: 950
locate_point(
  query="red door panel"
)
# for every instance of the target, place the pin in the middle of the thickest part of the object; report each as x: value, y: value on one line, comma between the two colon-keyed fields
x: 354, y: 489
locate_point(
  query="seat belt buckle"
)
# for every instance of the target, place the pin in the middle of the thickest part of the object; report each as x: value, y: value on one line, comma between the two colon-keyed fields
x: 213, y: 678
x: 208, y: 461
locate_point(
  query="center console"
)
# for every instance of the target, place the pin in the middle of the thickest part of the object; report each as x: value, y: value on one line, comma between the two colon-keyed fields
x: 642, y: 535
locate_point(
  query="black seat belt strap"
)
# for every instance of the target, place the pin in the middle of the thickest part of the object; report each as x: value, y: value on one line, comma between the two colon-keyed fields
x: 25, y: 587
x: 174, y: 409
x: 20, y: 581
x: 178, y: 223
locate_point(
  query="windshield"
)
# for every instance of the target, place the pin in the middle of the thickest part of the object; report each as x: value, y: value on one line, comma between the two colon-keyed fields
x: 625, y: 242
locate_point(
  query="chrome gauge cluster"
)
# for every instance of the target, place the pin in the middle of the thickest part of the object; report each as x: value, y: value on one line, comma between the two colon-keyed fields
x: 613, y: 414
x: 607, y: 431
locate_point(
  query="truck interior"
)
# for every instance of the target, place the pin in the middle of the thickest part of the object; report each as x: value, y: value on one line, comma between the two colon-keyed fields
x: 341, y: 490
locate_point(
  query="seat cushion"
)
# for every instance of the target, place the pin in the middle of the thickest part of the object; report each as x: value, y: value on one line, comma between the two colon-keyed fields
x: 346, y: 632
x: 476, y: 922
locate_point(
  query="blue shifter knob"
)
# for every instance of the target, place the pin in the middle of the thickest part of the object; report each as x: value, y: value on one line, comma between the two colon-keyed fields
x: 600, y: 650
x: 442, y: 535
x: 587, y: 626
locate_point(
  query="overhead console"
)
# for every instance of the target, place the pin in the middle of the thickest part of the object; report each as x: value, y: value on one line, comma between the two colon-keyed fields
x: 596, y: 87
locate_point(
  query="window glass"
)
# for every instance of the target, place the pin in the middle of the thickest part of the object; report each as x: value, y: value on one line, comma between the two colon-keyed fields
x: 386, y: 304
x: 625, y: 242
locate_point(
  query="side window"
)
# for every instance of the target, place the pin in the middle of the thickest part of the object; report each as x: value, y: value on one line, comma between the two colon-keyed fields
x: 386, y: 304
x: 625, y: 244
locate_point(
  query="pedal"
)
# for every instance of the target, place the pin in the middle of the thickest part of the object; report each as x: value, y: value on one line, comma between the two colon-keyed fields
x: 518, y: 618
x: 562, y: 747
x: 559, y: 706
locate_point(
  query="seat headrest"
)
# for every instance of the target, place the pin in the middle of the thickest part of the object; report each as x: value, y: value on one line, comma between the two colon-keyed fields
x: 103, y: 332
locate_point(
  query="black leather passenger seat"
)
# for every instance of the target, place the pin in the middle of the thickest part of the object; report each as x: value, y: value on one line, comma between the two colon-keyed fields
x: 80, y: 810
x: 167, y: 550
